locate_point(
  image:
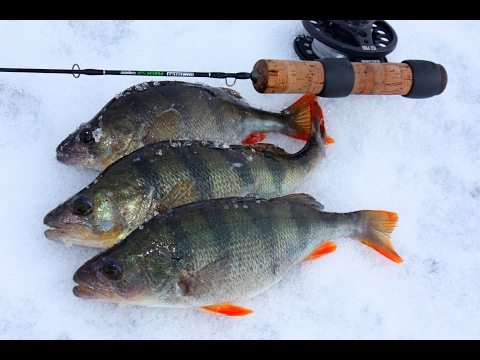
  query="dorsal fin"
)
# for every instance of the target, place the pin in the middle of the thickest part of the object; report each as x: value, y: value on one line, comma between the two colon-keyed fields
x: 301, y: 198
x: 233, y: 93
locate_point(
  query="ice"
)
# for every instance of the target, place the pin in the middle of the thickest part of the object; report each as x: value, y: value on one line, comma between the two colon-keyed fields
x: 417, y: 157
x: 97, y: 134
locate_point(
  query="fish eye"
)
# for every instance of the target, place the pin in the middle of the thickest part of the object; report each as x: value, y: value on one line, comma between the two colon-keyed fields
x: 111, y: 269
x: 86, y: 136
x: 82, y: 205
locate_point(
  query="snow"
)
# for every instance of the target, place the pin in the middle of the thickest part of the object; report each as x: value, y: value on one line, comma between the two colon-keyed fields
x: 417, y: 157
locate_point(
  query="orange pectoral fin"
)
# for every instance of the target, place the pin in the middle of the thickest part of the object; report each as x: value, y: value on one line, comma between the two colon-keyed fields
x: 330, y: 140
x: 227, y: 309
x: 326, y: 248
x: 253, y: 138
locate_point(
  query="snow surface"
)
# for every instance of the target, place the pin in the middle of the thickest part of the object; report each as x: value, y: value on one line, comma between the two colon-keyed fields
x: 419, y: 158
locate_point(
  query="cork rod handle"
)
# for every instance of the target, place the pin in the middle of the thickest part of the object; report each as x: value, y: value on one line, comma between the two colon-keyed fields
x: 338, y: 77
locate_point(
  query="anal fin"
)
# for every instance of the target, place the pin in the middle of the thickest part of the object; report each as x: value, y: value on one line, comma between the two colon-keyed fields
x: 227, y: 309
x: 325, y: 248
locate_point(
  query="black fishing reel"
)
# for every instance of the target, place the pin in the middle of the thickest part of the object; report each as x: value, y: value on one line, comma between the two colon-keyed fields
x: 355, y: 40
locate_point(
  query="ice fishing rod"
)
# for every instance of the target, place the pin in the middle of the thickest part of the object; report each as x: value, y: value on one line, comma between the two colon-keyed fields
x: 341, y: 57
x: 76, y: 72
x: 328, y: 77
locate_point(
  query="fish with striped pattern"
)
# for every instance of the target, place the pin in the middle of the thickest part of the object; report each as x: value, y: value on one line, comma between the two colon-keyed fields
x: 212, y: 254
x: 155, y: 111
x: 171, y: 173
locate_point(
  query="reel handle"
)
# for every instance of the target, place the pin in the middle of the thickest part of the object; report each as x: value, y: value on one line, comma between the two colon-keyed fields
x: 338, y: 77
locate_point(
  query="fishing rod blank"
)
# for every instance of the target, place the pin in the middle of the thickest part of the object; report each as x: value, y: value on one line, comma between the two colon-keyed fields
x: 329, y: 77
x: 76, y: 72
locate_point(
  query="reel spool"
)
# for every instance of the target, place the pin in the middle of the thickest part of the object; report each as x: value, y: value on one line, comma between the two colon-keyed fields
x: 356, y: 40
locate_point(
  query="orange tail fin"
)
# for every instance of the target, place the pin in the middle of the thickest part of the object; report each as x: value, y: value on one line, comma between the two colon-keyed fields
x: 379, y: 225
x: 227, y: 309
x: 299, y: 118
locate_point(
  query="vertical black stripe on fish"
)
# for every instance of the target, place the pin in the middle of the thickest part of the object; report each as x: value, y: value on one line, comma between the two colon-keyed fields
x: 170, y: 100
x: 178, y: 230
x: 278, y: 170
x: 190, y: 104
x: 209, y: 245
x: 301, y: 222
x: 241, y: 168
x: 251, y: 244
x: 302, y: 227
x: 143, y: 169
x: 138, y: 107
x: 180, y: 95
x: 265, y: 223
x: 223, y: 112
x: 218, y: 224
x: 196, y: 167
x: 255, y: 175
x: 286, y: 230
x: 162, y: 246
x: 224, y: 180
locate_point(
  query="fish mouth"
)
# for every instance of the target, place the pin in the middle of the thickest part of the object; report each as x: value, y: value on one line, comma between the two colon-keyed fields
x: 80, y: 159
x: 70, y: 154
x: 95, y: 293
x: 105, y: 294
x: 88, y: 287
x: 77, y: 234
x: 84, y: 292
x: 99, y: 293
x: 80, y: 156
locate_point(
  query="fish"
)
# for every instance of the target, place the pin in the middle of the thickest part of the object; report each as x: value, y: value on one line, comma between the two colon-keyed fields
x: 167, y: 174
x: 155, y: 111
x: 212, y: 254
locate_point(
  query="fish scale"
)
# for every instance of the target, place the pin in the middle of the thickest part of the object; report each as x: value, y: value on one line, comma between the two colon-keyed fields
x: 214, y: 253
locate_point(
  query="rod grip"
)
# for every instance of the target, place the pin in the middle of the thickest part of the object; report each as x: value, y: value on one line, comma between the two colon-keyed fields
x: 338, y: 77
